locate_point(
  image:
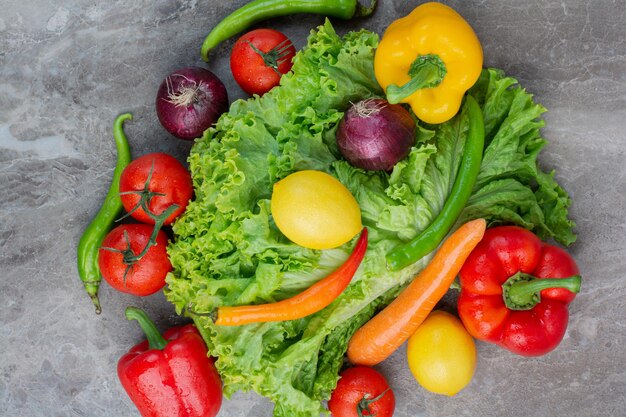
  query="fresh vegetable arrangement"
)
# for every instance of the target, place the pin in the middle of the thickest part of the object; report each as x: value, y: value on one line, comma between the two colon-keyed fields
x: 228, y: 251
x: 325, y: 217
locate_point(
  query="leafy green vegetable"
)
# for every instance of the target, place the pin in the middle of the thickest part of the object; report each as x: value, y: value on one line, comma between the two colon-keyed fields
x: 228, y: 250
x: 511, y: 188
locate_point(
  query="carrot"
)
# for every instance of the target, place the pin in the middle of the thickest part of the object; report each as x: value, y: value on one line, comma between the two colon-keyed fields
x: 311, y: 300
x: 386, y: 331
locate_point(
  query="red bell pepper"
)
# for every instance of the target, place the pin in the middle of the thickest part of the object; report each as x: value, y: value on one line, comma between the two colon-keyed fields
x: 170, y: 375
x: 515, y: 290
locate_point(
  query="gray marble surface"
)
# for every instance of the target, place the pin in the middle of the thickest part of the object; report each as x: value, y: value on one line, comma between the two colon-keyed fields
x: 67, y: 68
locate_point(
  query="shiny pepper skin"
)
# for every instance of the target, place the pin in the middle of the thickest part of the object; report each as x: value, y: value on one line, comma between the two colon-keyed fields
x: 431, y: 29
x: 531, y: 319
x: 178, y: 380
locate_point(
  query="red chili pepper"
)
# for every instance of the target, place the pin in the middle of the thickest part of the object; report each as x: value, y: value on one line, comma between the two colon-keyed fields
x: 170, y: 375
x: 515, y: 290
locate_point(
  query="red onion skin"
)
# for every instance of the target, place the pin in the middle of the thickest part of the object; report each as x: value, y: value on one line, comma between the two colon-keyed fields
x: 379, y: 140
x: 189, y: 121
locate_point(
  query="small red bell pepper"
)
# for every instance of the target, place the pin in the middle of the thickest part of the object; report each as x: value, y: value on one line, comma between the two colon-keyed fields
x: 170, y: 375
x: 515, y: 290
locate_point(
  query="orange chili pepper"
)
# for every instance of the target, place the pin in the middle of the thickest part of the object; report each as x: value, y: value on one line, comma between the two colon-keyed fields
x: 311, y: 300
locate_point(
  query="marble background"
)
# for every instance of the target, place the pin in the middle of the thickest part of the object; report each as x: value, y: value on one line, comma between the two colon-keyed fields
x: 67, y: 68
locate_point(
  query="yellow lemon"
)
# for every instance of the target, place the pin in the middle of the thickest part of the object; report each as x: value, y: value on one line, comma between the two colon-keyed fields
x: 442, y: 354
x: 315, y: 210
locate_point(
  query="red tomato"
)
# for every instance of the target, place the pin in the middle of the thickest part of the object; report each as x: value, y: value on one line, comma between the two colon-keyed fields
x: 169, y: 178
x: 144, y: 277
x: 362, y: 391
x: 259, y: 58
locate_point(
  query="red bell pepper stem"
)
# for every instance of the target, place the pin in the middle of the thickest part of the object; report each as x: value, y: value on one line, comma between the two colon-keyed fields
x: 522, y: 291
x: 155, y: 340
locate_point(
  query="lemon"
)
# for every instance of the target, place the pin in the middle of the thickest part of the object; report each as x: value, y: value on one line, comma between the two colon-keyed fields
x: 315, y: 210
x: 442, y: 354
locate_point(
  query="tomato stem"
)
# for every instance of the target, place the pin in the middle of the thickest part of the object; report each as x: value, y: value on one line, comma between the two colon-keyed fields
x: 129, y: 257
x: 363, y: 406
x: 159, y: 220
x: 145, y: 196
x: 275, y: 56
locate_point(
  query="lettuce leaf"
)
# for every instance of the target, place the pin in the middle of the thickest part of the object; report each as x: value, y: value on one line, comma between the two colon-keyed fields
x: 228, y: 251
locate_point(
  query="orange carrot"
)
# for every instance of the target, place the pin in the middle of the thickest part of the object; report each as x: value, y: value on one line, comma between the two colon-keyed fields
x: 310, y: 301
x: 386, y: 331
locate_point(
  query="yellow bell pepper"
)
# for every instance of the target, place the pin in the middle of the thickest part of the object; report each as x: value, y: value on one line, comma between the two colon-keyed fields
x: 429, y: 59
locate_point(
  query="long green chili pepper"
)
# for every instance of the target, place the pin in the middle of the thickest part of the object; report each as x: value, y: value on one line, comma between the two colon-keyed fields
x: 259, y: 10
x: 431, y: 237
x: 91, y: 239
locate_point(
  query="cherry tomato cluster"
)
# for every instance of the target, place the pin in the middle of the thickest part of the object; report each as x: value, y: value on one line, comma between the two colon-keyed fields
x: 154, y: 189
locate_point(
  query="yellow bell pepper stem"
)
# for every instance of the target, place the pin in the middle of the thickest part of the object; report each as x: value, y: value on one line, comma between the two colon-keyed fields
x: 427, y: 71
x: 407, y: 70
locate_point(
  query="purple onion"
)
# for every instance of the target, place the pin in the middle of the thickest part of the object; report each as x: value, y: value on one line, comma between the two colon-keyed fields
x: 189, y: 101
x: 375, y: 135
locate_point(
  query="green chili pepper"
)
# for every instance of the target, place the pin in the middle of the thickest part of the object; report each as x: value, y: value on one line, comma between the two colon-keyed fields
x: 91, y: 239
x: 259, y: 10
x: 431, y: 237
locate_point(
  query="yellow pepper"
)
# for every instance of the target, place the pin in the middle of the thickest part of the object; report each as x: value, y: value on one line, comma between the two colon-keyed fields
x: 429, y: 59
